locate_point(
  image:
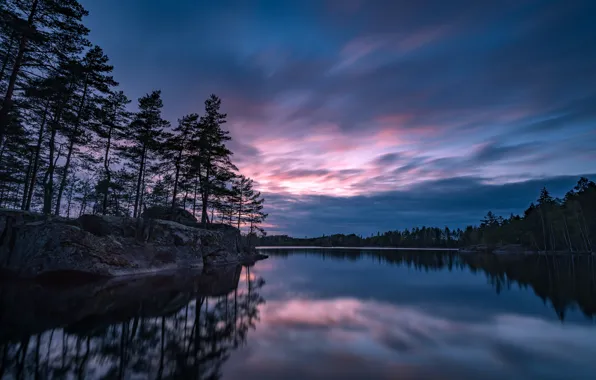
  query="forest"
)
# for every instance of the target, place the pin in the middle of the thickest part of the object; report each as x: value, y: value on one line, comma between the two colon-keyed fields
x: 548, y: 225
x: 72, y: 143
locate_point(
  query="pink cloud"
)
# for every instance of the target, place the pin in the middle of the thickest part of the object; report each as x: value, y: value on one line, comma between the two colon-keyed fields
x: 392, y: 44
x: 289, y: 154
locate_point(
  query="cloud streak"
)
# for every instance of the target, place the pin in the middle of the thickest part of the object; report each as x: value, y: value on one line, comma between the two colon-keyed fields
x: 341, y: 103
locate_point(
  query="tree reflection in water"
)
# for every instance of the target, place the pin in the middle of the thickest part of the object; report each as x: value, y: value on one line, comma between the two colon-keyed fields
x: 190, y: 337
x: 565, y: 281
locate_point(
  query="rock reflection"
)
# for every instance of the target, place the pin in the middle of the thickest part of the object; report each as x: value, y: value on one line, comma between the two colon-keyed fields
x: 159, y: 327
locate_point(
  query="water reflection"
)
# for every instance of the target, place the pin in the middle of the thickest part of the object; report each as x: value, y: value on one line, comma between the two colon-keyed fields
x: 163, y: 327
x: 566, y: 282
x: 329, y: 314
x: 357, y: 339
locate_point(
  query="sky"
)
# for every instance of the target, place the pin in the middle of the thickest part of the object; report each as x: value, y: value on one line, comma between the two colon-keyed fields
x: 364, y: 116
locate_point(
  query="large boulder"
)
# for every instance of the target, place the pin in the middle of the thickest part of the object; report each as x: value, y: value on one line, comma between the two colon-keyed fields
x: 31, y: 244
x: 175, y: 214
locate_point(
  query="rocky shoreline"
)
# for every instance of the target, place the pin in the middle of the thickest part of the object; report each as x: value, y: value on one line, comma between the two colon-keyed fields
x: 33, y: 245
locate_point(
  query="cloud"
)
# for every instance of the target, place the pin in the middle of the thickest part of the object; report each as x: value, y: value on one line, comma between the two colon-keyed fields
x: 452, y: 202
x: 362, y: 99
x: 387, y: 159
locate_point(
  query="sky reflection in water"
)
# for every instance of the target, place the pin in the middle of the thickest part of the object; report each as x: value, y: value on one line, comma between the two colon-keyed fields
x: 312, y: 314
x: 365, y: 319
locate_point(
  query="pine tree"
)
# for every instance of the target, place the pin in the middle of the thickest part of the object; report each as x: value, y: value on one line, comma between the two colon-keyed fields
x: 212, y: 164
x: 256, y: 218
x: 177, y: 149
x: 246, y: 199
x: 93, y: 79
x: 146, y: 134
x: 39, y: 33
x: 110, y: 124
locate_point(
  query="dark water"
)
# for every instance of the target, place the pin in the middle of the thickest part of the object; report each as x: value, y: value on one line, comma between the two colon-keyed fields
x: 313, y: 314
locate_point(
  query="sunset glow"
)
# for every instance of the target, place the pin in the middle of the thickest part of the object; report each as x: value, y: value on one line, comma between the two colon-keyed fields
x: 333, y: 99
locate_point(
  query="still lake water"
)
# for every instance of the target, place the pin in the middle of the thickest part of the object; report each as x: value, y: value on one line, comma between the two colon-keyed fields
x: 313, y: 314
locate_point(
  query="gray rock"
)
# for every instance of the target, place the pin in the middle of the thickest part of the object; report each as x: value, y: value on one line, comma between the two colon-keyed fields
x: 175, y: 214
x: 33, y: 244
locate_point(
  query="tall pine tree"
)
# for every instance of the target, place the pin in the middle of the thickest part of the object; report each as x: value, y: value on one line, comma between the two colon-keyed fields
x: 213, y: 164
x: 39, y: 33
x: 146, y: 135
x: 93, y: 79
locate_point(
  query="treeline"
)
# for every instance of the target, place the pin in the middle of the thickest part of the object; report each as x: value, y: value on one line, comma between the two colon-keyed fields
x: 549, y: 224
x: 69, y: 144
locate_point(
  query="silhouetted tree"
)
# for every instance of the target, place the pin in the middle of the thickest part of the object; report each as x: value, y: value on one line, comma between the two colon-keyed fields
x: 37, y: 33
x: 177, y: 149
x: 146, y: 134
x: 111, y: 121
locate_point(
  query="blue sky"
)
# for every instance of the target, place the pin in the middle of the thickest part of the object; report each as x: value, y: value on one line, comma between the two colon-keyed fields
x: 359, y: 116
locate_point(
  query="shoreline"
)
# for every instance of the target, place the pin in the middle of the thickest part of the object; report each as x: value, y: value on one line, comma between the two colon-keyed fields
x: 463, y: 250
x: 369, y: 248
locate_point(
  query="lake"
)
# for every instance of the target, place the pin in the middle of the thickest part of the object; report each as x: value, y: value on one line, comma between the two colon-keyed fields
x: 313, y: 313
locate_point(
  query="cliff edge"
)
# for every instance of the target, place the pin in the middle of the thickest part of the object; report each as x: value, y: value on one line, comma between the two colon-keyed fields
x: 34, y: 245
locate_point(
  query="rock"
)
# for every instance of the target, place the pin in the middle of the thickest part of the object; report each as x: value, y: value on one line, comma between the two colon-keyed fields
x: 32, y: 244
x: 176, y: 214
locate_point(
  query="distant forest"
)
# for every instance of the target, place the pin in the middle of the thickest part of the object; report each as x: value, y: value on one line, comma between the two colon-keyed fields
x: 549, y: 224
x: 69, y: 144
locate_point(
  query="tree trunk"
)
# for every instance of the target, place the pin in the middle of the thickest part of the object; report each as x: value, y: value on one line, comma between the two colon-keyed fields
x: 26, y: 182
x: 49, y: 176
x: 83, y: 202
x: 7, y: 57
x: 194, y: 200
x: 29, y: 194
x: 205, y: 196
x: 143, y: 187
x: 6, y: 103
x: 106, y: 167
x: 73, y: 138
x: 239, y: 210
x: 139, y: 181
x: 175, y: 191
x: 63, y: 180
x: 69, y: 200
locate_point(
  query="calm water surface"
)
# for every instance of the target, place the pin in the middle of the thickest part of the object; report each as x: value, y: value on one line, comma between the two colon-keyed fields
x: 315, y: 314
